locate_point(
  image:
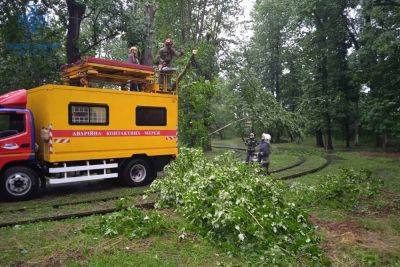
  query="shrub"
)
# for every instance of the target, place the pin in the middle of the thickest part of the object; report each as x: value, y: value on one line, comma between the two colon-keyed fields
x: 234, y: 204
x: 131, y: 222
x: 341, y: 190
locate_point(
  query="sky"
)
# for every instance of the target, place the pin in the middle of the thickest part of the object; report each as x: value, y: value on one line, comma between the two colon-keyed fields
x: 243, y: 30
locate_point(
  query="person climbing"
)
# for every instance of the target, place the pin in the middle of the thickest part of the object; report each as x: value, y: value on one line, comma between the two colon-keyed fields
x: 133, y: 58
x: 251, y: 144
x: 164, y: 59
x: 265, y: 151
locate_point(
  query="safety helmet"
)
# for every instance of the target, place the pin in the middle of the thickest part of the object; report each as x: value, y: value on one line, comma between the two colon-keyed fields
x: 251, y: 135
x: 168, y: 41
x: 266, y: 137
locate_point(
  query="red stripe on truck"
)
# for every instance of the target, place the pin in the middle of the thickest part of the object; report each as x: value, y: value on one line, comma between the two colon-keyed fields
x: 112, y: 133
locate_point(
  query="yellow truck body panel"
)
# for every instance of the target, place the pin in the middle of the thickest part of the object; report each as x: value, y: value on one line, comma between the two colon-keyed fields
x: 119, y: 137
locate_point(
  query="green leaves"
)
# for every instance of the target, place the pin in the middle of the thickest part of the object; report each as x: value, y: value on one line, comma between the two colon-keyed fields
x: 339, y: 190
x: 235, y: 205
x: 131, y: 222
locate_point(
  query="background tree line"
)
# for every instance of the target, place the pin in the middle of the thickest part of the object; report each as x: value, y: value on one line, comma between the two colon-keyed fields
x: 335, y: 64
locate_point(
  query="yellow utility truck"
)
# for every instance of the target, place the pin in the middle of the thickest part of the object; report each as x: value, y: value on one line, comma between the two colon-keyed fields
x: 58, y: 134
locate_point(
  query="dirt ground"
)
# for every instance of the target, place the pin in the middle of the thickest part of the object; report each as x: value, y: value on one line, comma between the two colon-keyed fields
x: 349, y: 233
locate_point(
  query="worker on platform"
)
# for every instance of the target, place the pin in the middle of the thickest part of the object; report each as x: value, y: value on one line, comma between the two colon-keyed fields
x: 164, y: 59
x: 265, y: 151
x: 133, y: 58
x: 251, y: 144
x: 166, y: 54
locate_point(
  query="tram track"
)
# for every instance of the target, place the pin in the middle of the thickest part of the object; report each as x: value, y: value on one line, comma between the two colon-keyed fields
x: 301, y: 161
x: 88, y: 201
x: 146, y: 205
x: 328, y: 161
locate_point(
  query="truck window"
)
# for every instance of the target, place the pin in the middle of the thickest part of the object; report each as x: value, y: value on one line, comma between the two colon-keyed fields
x: 11, y: 124
x: 88, y: 114
x: 151, y: 116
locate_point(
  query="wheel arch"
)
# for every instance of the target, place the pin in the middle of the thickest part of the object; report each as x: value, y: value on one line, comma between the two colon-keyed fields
x: 157, y: 163
x: 25, y: 163
x: 125, y: 161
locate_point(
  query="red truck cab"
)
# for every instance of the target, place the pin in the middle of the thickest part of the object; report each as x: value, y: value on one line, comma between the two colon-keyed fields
x: 18, y: 170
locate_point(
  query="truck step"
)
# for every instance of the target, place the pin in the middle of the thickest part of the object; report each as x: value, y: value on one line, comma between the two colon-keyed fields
x: 82, y: 173
x: 83, y: 168
x: 82, y: 178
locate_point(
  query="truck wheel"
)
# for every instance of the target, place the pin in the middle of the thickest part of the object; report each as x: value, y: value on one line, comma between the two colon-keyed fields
x: 137, y: 172
x: 20, y: 183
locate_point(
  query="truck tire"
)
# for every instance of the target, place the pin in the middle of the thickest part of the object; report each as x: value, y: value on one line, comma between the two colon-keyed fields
x: 137, y: 172
x: 19, y: 183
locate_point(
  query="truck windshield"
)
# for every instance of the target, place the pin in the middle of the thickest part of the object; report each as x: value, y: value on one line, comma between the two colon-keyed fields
x: 11, y: 124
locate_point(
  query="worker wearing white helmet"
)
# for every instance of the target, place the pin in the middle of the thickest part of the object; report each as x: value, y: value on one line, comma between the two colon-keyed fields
x: 265, y: 151
x: 266, y: 137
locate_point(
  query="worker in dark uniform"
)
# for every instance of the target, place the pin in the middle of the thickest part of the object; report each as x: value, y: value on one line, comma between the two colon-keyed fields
x: 164, y: 59
x: 251, y: 144
x: 133, y: 58
x: 265, y: 151
x: 166, y: 54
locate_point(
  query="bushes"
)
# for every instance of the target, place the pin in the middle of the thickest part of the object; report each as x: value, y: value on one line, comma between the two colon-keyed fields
x: 237, y: 207
x: 233, y: 204
x: 130, y: 222
x: 340, y: 190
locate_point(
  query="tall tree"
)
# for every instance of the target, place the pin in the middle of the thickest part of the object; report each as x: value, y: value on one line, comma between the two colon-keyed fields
x: 76, y: 10
x: 272, y: 35
x: 379, y: 59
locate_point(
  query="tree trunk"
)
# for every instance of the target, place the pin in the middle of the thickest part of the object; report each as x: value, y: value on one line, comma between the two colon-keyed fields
x: 356, y: 126
x: 221, y: 135
x: 384, y: 141
x: 319, y: 138
x: 148, y: 51
x: 75, y: 14
x: 328, y: 141
x: 347, y: 131
x: 378, y: 140
x: 356, y: 134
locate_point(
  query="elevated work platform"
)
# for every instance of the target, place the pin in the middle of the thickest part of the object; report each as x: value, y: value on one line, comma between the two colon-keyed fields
x: 117, y: 72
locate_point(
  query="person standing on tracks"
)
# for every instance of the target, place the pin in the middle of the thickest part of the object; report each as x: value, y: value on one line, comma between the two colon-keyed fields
x: 133, y: 58
x: 164, y: 59
x: 265, y: 151
x: 251, y: 144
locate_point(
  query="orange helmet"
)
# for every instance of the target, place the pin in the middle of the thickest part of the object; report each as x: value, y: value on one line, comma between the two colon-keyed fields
x: 168, y: 41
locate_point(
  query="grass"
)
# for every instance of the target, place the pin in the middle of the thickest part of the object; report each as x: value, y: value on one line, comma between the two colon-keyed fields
x: 47, y: 211
x: 75, y: 193
x: 368, y: 234
x: 53, y: 243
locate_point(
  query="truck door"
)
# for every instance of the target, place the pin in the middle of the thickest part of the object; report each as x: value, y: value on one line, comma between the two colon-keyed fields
x: 16, y: 136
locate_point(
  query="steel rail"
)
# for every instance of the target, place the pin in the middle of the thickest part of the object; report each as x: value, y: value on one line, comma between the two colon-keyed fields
x: 148, y: 205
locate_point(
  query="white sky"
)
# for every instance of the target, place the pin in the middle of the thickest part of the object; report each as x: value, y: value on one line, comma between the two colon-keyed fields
x: 243, y: 31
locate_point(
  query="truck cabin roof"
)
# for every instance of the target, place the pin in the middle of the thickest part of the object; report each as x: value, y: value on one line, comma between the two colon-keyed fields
x: 14, y: 99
